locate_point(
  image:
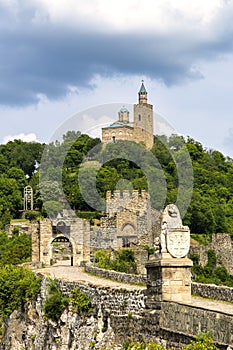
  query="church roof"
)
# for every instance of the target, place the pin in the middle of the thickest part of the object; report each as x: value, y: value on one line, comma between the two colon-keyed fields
x: 142, y: 89
x: 118, y: 125
x: 123, y: 109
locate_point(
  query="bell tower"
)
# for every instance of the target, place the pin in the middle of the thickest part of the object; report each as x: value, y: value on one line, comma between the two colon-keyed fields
x: 142, y: 94
x: 143, y: 118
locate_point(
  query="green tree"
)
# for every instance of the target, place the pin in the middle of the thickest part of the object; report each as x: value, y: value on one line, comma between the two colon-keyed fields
x: 17, y: 286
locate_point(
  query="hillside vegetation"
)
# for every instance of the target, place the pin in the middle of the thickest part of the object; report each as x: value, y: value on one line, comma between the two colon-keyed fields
x: 211, y: 207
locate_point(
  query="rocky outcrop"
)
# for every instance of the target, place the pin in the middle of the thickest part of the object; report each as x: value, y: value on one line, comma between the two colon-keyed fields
x: 33, y: 331
x: 30, y: 329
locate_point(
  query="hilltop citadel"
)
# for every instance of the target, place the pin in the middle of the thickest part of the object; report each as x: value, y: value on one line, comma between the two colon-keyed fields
x: 164, y: 310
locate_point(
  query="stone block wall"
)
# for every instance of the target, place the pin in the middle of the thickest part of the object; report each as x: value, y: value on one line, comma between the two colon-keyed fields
x: 76, y: 230
x: 212, y: 291
x: 133, y: 201
x: 115, y: 300
x: 203, y: 290
x: 190, y: 321
x: 103, y: 238
x: 223, y: 247
x: 35, y: 235
x: 117, y: 276
x: 128, y: 221
x: 171, y: 324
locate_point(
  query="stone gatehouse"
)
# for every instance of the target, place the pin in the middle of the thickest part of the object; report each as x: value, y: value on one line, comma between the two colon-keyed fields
x: 69, y: 229
x: 129, y: 221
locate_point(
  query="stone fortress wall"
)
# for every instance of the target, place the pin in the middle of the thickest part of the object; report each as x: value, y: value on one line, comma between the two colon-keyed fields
x: 175, y: 322
x: 118, y: 315
x: 210, y: 291
x: 222, y: 244
x: 164, y: 311
x: 129, y: 220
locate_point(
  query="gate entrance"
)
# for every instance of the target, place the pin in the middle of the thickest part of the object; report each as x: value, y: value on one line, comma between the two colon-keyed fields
x: 65, y: 240
x: 61, y: 251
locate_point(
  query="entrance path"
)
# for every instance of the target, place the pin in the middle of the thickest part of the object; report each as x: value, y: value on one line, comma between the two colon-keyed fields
x: 69, y: 273
x: 77, y: 274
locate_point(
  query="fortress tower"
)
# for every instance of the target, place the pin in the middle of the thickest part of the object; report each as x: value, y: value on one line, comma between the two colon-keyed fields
x: 140, y: 130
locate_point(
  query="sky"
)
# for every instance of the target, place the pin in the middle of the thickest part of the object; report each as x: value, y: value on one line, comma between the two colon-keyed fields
x: 61, y: 57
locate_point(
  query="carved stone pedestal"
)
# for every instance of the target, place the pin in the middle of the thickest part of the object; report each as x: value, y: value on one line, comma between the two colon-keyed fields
x: 169, y: 270
x: 169, y: 279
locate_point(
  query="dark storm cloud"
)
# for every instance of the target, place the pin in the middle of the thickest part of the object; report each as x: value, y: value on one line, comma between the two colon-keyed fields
x: 47, y: 59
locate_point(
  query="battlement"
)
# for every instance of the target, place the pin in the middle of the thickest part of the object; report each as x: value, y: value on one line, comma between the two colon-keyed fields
x: 134, y: 201
x: 126, y: 194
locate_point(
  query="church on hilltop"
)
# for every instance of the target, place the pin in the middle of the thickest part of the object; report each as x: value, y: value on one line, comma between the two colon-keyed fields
x: 140, y: 130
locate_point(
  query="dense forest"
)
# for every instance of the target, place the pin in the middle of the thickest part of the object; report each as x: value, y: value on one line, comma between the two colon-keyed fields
x: 210, y: 210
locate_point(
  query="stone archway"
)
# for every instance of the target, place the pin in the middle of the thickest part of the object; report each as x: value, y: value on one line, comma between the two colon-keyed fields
x: 61, y: 250
x: 128, y: 234
x: 74, y: 230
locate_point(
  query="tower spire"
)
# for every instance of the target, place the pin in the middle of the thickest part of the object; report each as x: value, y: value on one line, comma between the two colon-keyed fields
x: 142, y: 94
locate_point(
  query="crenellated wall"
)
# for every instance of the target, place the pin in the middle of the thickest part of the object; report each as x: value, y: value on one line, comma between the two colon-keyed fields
x: 129, y: 221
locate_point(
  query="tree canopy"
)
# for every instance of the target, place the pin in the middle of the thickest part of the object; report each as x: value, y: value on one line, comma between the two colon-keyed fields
x: 57, y: 182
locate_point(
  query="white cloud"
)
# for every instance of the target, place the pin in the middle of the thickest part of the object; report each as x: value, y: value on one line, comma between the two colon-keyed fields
x: 31, y: 137
x: 123, y: 15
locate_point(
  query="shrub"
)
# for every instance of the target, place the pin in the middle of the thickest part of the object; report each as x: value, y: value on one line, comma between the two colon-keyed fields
x: 121, y: 260
x: 14, y: 250
x: 142, y: 346
x: 56, y: 303
x: 17, y: 285
x: 32, y: 215
x: 203, y: 342
x: 80, y: 301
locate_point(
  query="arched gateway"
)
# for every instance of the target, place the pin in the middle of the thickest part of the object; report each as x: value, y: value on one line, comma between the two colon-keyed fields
x: 71, y: 232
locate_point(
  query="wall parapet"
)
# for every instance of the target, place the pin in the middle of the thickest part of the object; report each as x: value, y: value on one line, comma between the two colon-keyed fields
x: 118, y: 276
x: 118, y: 301
x: 212, y: 291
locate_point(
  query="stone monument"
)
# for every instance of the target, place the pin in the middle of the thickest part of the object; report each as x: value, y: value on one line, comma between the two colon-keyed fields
x: 169, y: 269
